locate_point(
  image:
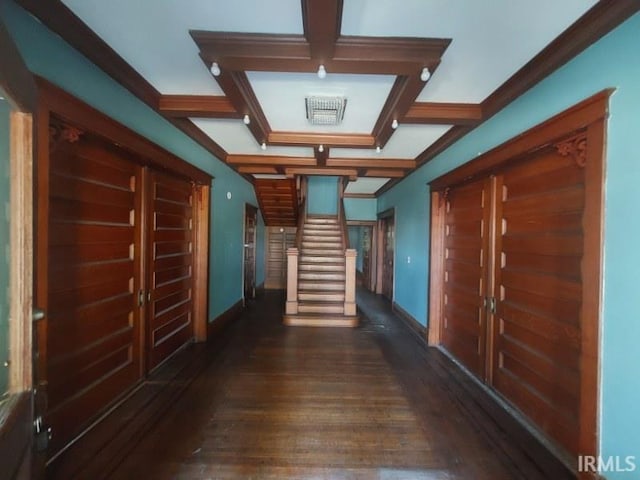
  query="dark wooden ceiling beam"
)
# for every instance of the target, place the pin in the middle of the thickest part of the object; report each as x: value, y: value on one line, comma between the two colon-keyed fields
x: 321, y: 156
x: 403, y: 93
x: 347, y: 140
x: 237, y: 88
x: 251, y: 169
x: 385, y: 173
x: 201, y: 106
x: 271, y: 160
x: 443, y: 113
x: 333, y: 172
x: 372, y: 163
x: 322, y: 20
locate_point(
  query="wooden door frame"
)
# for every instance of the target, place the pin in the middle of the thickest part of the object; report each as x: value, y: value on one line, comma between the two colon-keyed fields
x: 588, y: 117
x: 248, y: 207
x: 57, y: 103
x: 17, y: 412
x: 382, y: 216
x: 372, y: 256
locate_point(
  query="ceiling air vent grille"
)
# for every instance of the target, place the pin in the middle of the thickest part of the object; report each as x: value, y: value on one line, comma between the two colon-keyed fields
x: 325, y: 110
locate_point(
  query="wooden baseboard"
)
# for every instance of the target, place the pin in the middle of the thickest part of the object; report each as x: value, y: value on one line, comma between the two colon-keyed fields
x: 223, y: 320
x: 416, y: 327
x: 473, y: 395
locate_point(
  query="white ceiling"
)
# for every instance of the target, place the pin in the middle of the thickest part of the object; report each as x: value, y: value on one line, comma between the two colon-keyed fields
x: 491, y: 41
x: 365, y: 185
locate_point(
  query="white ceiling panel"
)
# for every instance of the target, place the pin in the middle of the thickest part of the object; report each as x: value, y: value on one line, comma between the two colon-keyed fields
x: 282, y: 97
x: 235, y: 138
x: 408, y: 141
x: 491, y: 40
x: 366, y: 185
x: 154, y: 37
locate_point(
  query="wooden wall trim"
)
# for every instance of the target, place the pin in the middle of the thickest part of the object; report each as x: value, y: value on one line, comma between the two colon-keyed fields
x: 436, y: 270
x: 216, y: 326
x: 358, y: 195
x: 444, y: 113
x: 69, y: 108
x: 577, y: 117
x: 15, y: 78
x: 203, y: 106
x: 410, y: 322
x: 202, y: 210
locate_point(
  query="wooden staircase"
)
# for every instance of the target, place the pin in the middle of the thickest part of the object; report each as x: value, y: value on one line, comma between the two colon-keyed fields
x: 321, y: 283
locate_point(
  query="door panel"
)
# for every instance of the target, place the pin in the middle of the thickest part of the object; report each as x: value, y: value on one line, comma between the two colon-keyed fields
x: 539, y: 245
x: 93, y: 329
x: 466, y: 231
x: 278, y: 239
x: 170, y: 302
x: 388, y: 252
x: 250, y: 222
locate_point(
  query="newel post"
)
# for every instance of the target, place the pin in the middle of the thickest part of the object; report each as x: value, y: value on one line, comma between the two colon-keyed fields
x: 350, y: 281
x: 292, y: 281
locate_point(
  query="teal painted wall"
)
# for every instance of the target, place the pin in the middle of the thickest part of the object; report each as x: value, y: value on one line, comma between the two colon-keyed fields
x: 614, y: 61
x: 49, y: 56
x: 4, y: 242
x: 322, y: 195
x: 361, y: 208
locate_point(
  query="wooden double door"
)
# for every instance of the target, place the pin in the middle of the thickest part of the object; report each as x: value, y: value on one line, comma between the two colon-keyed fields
x: 120, y: 276
x: 516, y: 275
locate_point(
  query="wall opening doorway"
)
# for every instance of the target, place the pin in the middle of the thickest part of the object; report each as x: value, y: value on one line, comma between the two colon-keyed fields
x: 362, y: 238
x: 385, y: 253
x: 249, y: 276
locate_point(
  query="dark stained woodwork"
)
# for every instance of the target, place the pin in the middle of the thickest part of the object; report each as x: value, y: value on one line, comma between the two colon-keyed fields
x: 399, y: 56
x: 278, y: 200
x: 443, y: 113
x: 382, y: 173
x: 93, y: 323
x: 270, y: 160
x: 377, y: 163
x: 249, y: 260
x: 353, y: 140
x: 85, y: 117
x: 466, y: 232
x: 337, y: 172
x: 387, y: 246
x: 257, y: 169
x: 321, y: 157
x: 405, y: 90
x: 203, y: 106
x: 322, y: 20
x: 170, y: 267
x: 358, y: 195
x: 277, y: 240
x: 238, y: 90
x: 544, y: 251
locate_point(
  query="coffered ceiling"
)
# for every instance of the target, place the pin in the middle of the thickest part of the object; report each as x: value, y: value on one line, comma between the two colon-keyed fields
x: 480, y: 55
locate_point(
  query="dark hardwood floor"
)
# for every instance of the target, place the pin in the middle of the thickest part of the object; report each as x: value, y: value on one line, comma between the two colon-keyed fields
x: 266, y: 401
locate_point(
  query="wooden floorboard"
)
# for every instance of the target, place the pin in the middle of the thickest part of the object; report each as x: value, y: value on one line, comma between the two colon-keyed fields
x: 277, y: 402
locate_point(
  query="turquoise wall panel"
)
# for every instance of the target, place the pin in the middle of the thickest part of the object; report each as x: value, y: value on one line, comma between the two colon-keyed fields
x: 322, y: 195
x: 361, y: 208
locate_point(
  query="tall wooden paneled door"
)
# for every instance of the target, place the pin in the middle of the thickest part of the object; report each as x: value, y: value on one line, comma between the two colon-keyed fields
x: 119, y: 254
x: 249, y: 277
x: 278, y: 240
x: 170, y: 266
x: 388, y: 232
x: 516, y: 267
x: 93, y: 331
x: 466, y: 233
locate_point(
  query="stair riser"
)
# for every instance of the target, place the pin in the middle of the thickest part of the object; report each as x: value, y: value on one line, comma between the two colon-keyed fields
x: 321, y: 297
x: 323, y: 276
x: 321, y: 268
x: 322, y: 239
x: 321, y: 287
x: 321, y: 252
x: 321, y: 233
x: 322, y: 245
x: 322, y: 226
x: 320, y: 308
x: 322, y: 259
x: 321, y: 221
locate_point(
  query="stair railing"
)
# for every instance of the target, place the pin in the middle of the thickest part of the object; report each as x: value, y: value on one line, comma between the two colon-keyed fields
x: 350, y: 255
x: 291, y: 307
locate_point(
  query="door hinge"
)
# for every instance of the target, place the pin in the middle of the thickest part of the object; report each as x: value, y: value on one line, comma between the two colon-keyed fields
x: 492, y: 305
x: 140, y: 298
x: 37, y: 314
x: 42, y: 434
